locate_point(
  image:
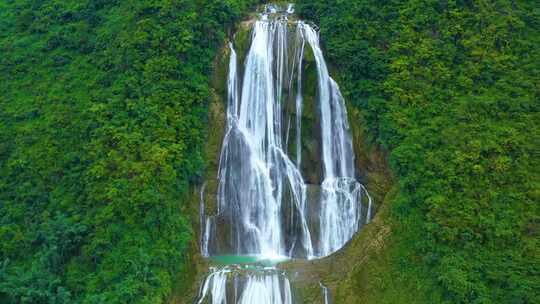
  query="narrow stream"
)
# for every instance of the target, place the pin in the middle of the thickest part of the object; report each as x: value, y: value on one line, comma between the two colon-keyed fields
x: 272, y: 204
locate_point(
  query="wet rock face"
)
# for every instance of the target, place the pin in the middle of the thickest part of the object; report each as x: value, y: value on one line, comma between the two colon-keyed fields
x: 311, y: 140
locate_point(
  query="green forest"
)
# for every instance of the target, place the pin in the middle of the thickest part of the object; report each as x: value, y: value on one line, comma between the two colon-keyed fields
x: 452, y: 90
x: 103, y: 121
x: 102, y: 115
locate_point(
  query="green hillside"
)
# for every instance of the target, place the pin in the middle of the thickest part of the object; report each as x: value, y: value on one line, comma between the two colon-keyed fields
x: 451, y: 89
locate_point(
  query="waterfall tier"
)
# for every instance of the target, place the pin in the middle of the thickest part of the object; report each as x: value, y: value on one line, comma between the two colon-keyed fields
x: 246, y: 285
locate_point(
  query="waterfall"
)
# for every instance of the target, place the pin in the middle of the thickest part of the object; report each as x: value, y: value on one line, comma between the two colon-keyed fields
x: 249, y: 286
x: 326, y: 293
x: 263, y: 206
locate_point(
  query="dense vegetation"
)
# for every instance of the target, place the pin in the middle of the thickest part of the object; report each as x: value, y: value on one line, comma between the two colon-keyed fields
x: 451, y: 89
x: 102, y: 119
x: 103, y: 108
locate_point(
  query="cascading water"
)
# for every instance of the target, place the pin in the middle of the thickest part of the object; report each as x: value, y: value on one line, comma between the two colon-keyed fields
x: 246, y: 285
x: 326, y: 293
x: 263, y: 206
